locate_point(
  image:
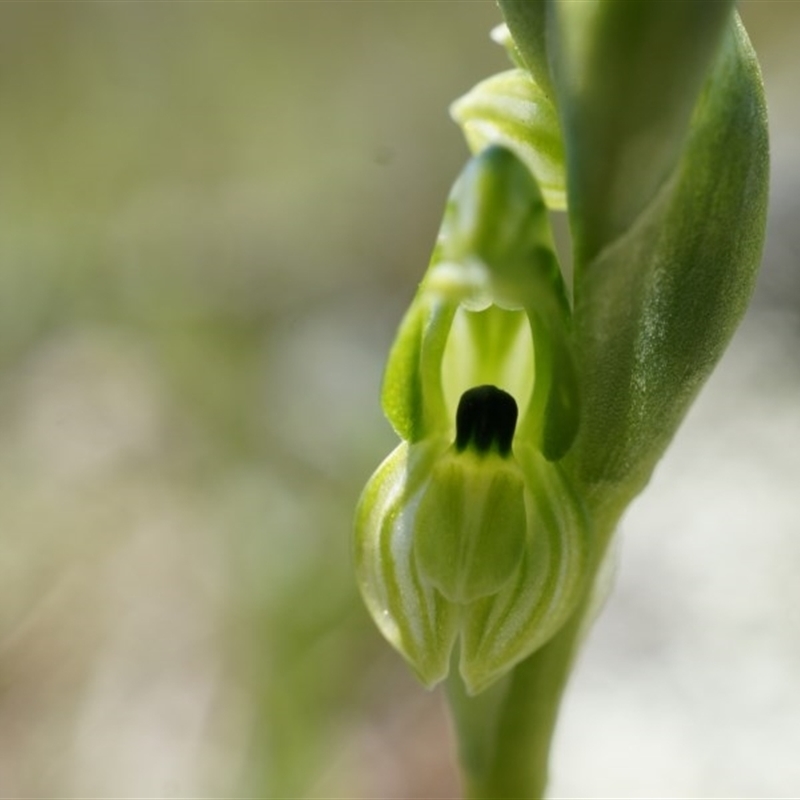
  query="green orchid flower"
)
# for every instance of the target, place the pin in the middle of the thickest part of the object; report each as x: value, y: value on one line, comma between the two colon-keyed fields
x: 531, y: 413
x: 470, y: 530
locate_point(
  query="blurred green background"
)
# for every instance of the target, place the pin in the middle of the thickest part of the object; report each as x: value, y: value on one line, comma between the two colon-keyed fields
x: 212, y: 215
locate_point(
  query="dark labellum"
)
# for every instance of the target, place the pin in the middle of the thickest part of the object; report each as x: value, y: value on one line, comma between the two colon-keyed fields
x: 486, y: 418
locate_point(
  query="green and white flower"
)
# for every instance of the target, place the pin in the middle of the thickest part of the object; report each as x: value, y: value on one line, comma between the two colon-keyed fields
x: 470, y: 529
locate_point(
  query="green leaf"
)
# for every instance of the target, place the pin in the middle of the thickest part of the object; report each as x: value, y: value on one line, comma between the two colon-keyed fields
x: 627, y: 75
x: 656, y: 308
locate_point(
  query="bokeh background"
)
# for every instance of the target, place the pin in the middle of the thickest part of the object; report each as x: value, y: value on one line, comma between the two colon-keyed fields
x: 212, y: 216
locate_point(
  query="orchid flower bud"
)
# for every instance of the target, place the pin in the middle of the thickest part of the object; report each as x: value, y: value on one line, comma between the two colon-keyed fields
x: 470, y: 530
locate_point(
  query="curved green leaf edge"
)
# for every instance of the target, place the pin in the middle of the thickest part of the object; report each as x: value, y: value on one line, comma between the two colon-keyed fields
x: 657, y: 307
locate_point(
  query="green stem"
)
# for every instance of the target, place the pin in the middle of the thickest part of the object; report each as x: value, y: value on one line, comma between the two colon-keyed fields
x: 504, y: 733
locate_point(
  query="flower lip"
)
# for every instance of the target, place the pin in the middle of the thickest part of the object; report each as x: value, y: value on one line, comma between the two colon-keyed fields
x: 486, y: 418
